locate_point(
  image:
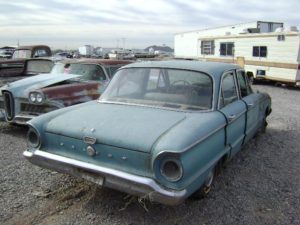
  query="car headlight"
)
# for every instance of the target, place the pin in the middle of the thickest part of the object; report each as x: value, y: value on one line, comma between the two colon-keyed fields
x: 171, y: 169
x: 33, y: 138
x: 39, y: 98
x: 36, y: 97
x: 32, y: 97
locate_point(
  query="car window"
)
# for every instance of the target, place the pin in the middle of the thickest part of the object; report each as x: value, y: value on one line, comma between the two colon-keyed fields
x: 228, y: 90
x: 129, y: 85
x: 111, y: 70
x: 88, y: 71
x: 40, y: 53
x: 171, y: 88
x: 34, y: 66
x: 244, y: 86
x: 156, y: 79
x: 21, y: 54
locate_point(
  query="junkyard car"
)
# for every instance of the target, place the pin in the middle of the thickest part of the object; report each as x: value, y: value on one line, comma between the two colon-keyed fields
x: 6, y: 52
x: 69, y: 83
x: 160, y: 130
x: 26, y: 61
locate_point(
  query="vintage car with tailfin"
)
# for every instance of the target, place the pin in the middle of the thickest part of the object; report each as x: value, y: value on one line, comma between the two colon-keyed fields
x: 70, y: 82
x: 161, y: 130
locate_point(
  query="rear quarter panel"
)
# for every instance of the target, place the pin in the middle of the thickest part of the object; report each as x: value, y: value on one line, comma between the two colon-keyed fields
x: 199, y: 142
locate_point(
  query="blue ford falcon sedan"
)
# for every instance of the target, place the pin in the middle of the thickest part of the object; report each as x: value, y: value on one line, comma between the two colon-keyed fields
x: 161, y: 130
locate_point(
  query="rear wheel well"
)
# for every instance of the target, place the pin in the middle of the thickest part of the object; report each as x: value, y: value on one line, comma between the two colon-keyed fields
x: 221, y: 163
x: 267, y: 112
x: 206, y: 187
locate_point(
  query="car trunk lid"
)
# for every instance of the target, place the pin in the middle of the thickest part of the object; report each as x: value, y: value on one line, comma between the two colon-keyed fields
x: 125, y: 126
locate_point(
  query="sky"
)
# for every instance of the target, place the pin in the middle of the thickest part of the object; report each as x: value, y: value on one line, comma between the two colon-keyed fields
x: 68, y: 24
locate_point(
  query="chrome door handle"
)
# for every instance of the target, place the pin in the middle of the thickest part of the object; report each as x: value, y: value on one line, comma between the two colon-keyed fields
x: 231, y: 117
x: 250, y: 104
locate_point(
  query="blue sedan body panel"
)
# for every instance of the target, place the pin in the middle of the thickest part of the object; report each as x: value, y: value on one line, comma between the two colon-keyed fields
x: 136, y: 139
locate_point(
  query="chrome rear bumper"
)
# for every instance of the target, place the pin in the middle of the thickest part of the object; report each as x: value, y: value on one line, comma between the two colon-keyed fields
x: 22, y: 119
x: 115, y: 179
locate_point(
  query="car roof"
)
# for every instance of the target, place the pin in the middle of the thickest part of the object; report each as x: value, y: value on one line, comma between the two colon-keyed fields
x: 31, y: 47
x: 97, y: 61
x: 212, y: 68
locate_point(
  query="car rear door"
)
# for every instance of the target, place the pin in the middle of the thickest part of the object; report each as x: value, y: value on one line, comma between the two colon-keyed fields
x: 251, y: 100
x: 234, y: 110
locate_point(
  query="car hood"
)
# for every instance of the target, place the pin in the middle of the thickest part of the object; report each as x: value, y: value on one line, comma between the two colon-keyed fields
x: 21, y: 88
x: 125, y: 126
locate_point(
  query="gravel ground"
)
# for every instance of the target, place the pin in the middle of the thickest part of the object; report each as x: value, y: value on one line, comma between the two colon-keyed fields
x: 260, y: 185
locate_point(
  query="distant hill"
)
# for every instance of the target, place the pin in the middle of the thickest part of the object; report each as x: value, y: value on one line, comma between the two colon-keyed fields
x: 159, y: 48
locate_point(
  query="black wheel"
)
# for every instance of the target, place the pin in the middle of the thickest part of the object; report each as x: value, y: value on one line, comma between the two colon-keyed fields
x: 206, y: 187
x: 264, y: 125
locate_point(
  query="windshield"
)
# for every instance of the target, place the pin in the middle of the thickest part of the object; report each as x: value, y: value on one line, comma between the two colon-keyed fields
x: 22, y: 54
x: 88, y: 71
x: 37, y: 66
x: 171, y: 88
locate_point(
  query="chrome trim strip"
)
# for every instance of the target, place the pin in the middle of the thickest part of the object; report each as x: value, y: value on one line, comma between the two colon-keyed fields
x: 204, y: 137
x: 129, y: 183
x: 193, y: 144
x: 128, y: 66
x: 154, y: 107
x: 221, y: 83
x: 9, y: 105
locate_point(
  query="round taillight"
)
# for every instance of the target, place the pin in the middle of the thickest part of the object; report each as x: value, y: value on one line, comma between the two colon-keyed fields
x: 33, y: 138
x: 171, y: 169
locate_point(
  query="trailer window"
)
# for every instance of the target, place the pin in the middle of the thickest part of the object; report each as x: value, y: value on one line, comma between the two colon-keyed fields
x: 227, y: 49
x: 208, y: 47
x: 281, y: 38
x: 260, y: 51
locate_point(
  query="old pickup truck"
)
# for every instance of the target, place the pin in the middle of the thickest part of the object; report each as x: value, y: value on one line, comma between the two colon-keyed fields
x: 25, y: 61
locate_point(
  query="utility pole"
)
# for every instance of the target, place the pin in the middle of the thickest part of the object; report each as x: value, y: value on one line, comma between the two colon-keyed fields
x: 123, y: 41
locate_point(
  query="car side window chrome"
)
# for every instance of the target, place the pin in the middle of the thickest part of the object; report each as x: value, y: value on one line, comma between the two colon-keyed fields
x: 228, y: 90
x: 244, y: 86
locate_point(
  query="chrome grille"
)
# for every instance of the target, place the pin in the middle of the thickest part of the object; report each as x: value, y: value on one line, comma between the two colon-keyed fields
x: 1, y: 104
x: 36, y: 109
x: 9, y: 105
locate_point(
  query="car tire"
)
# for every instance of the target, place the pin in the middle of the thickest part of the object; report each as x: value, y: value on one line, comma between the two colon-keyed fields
x: 264, y: 124
x: 204, y: 190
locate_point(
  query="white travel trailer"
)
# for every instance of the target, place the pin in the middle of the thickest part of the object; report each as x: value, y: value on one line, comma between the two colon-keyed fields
x: 86, y: 50
x: 266, y: 50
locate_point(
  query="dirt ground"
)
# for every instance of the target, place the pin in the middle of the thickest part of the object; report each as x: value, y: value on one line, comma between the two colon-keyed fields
x: 260, y: 185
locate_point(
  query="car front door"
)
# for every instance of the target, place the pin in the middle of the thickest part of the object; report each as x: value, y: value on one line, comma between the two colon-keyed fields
x: 251, y: 100
x: 234, y: 110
